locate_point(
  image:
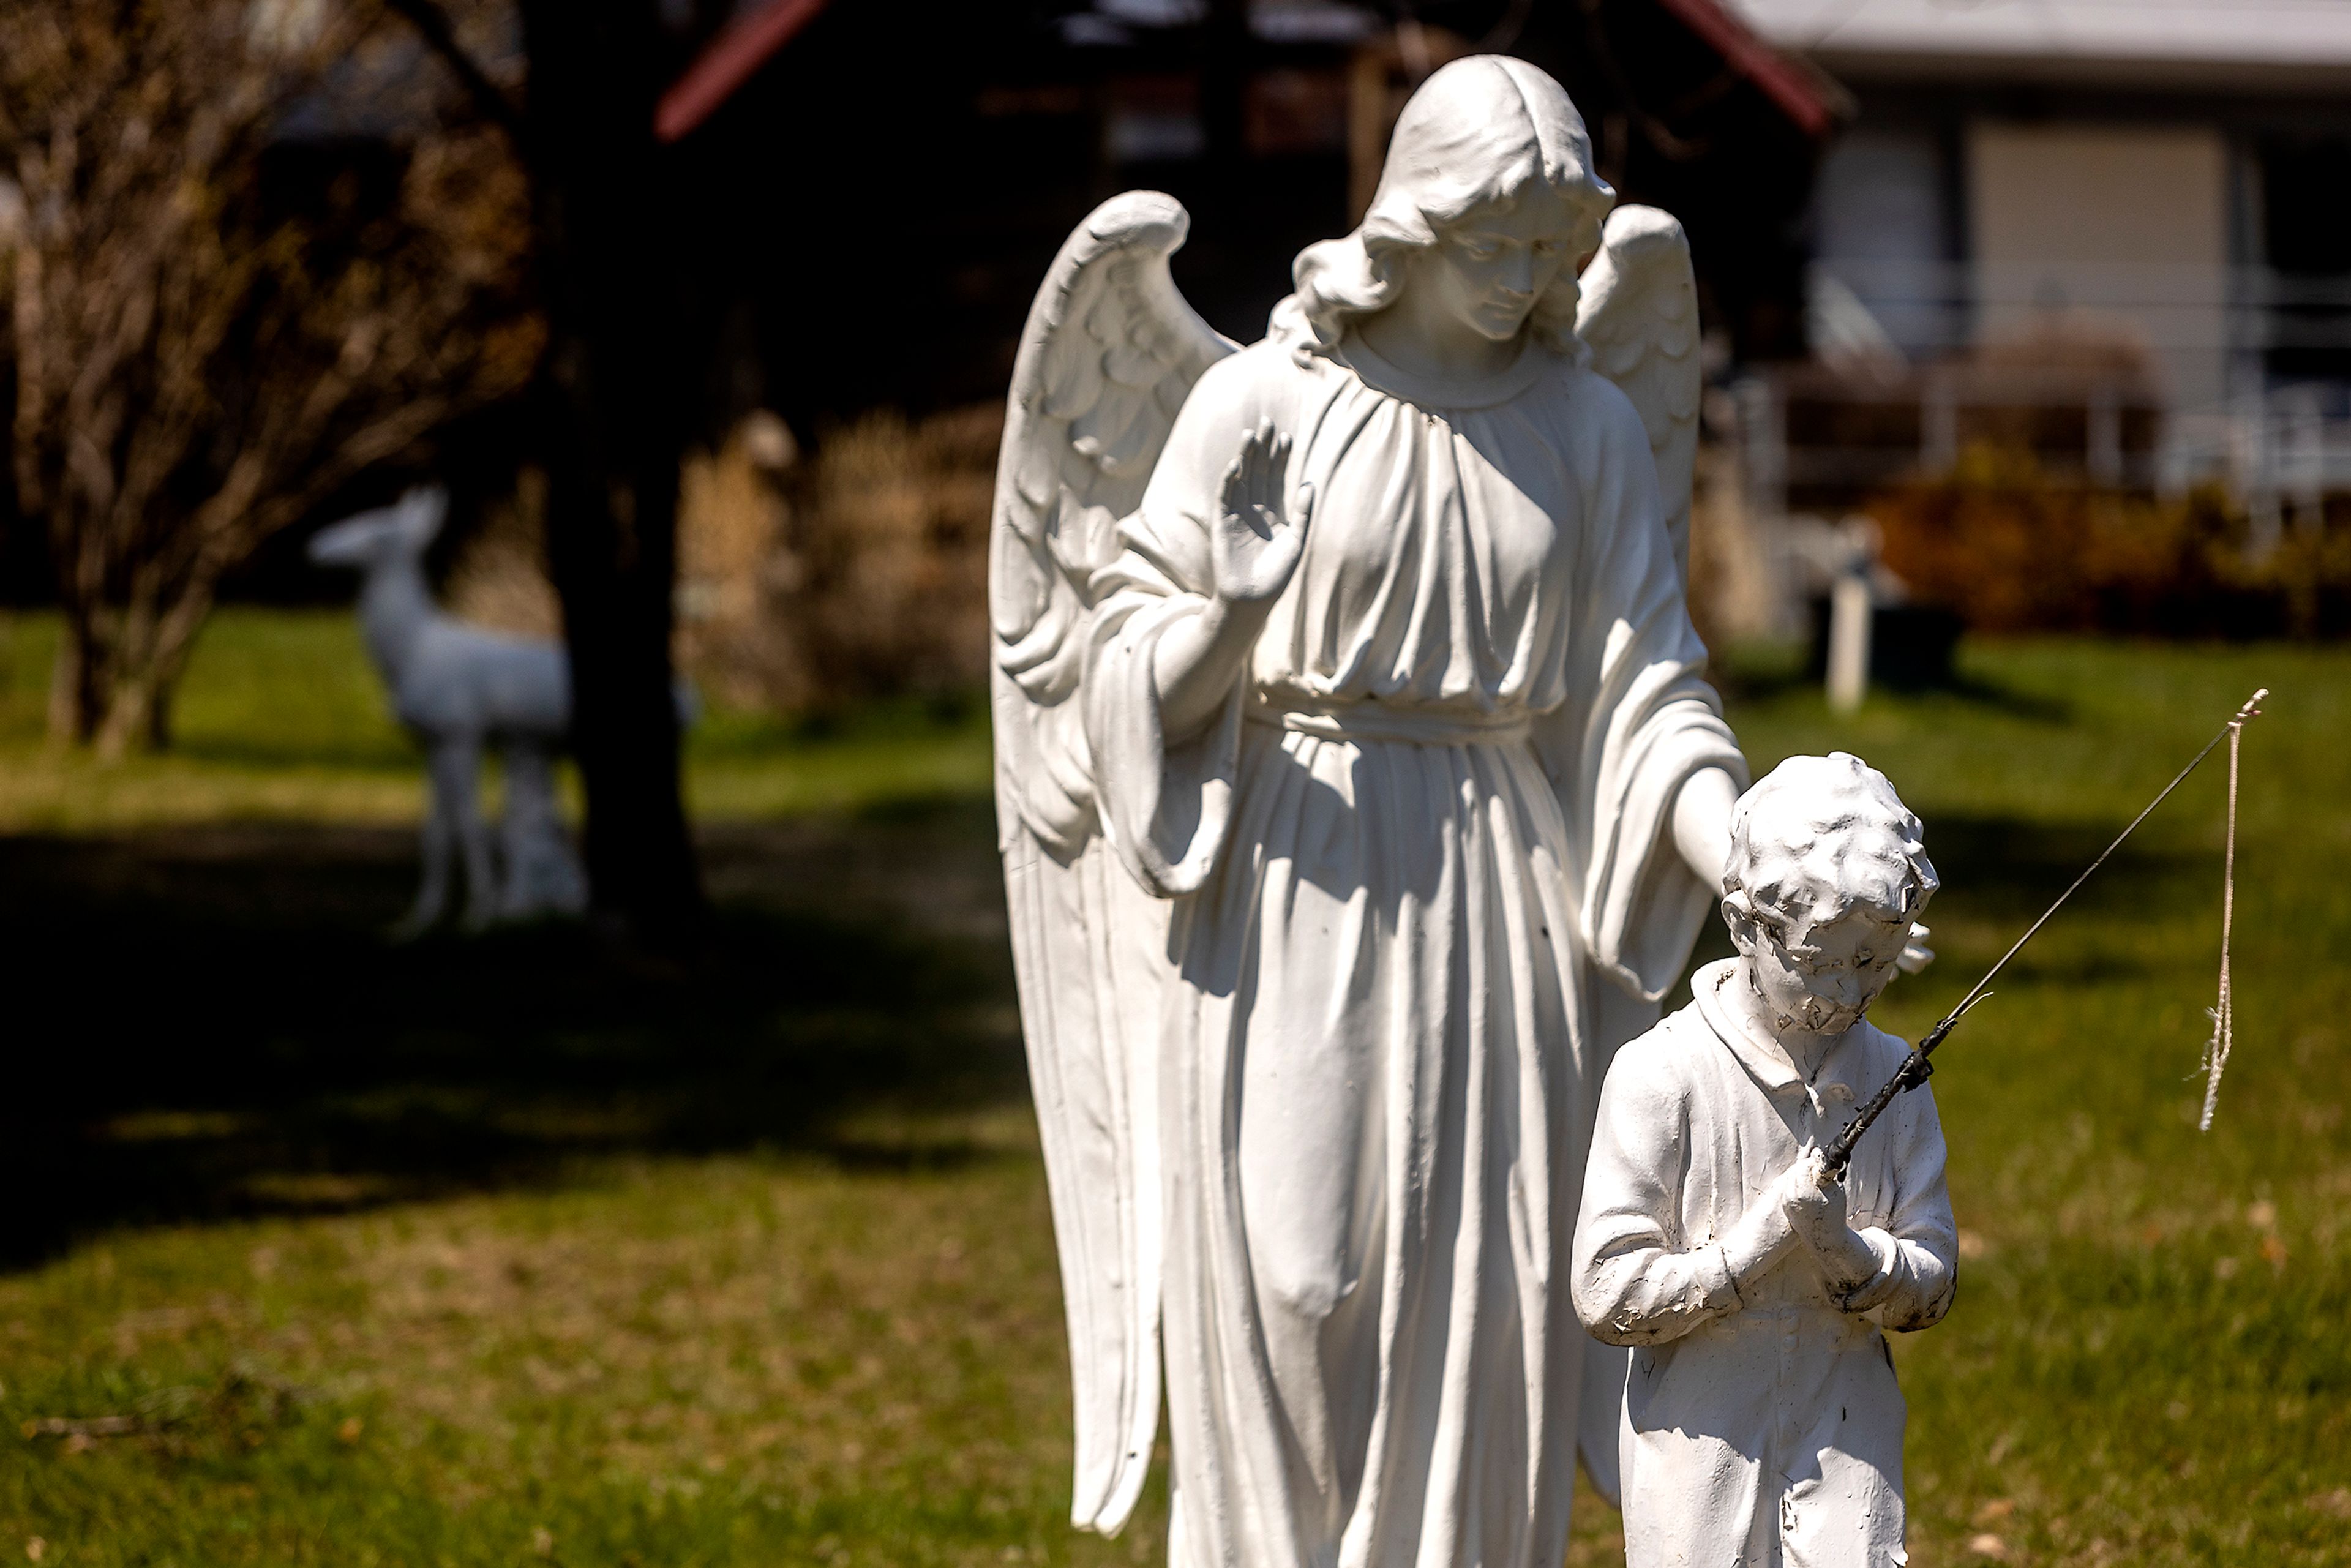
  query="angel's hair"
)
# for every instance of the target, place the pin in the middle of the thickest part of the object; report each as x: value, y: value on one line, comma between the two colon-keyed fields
x: 1483, y: 130
x: 1820, y: 835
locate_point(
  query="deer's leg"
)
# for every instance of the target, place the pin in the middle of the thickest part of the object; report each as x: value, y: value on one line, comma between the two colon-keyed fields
x: 516, y: 898
x: 440, y: 819
x: 456, y: 780
x: 543, y: 875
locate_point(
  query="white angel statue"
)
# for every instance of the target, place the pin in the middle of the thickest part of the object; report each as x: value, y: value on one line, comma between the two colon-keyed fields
x: 1359, y: 795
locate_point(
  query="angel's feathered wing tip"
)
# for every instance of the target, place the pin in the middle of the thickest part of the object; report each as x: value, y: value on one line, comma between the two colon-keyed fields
x: 1634, y: 226
x: 1110, y: 353
x: 1131, y: 216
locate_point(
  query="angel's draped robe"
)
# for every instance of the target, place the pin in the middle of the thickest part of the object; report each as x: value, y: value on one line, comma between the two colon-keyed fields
x: 1424, y: 884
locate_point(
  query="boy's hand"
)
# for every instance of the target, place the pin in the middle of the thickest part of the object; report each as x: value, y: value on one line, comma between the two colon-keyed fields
x: 1816, y: 1212
x: 1814, y: 1198
x: 1762, y: 1237
x: 1764, y: 1233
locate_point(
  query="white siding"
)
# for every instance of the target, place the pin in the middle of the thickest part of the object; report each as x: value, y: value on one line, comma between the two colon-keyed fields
x: 2130, y: 222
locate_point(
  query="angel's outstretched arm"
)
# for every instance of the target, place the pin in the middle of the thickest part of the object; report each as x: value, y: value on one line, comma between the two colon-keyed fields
x: 1254, y: 543
x: 1702, y: 821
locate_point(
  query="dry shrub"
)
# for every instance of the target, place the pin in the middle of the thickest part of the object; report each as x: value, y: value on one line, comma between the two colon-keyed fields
x: 205, y: 351
x: 730, y: 520
x: 1731, y: 591
x: 882, y: 584
x: 731, y: 516
x: 2056, y: 364
x: 499, y: 577
x: 2094, y: 345
x: 2014, y: 550
x: 802, y: 584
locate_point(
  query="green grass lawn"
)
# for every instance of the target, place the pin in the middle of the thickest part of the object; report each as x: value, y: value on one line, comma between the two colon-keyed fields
x: 327, y: 1251
x: 281, y: 719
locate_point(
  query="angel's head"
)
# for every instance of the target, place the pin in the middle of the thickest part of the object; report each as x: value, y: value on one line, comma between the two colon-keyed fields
x: 1488, y: 198
x: 1827, y: 870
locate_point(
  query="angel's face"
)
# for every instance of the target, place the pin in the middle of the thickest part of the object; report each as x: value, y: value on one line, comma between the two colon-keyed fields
x: 1489, y: 266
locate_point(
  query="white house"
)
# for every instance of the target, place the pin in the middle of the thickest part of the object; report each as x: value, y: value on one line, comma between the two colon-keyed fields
x: 2169, y: 179
x: 2179, y: 165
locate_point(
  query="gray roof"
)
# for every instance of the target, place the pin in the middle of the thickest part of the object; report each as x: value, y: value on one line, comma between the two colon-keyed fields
x: 2154, y: 39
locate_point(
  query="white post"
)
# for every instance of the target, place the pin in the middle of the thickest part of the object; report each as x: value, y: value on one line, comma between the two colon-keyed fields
x: 1848, y: 641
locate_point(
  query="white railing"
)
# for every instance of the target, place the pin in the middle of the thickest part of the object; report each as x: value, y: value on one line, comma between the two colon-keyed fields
x: 2183, y: 360
x: 2282, y: 450
x: 1933, y: 308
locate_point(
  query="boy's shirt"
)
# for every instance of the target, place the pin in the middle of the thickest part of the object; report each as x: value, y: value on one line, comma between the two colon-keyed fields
x: 1763, y: 1423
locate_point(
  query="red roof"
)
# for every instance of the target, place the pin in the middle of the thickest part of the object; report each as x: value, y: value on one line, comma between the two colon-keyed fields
x: 733, y: 56
x: 737, y: 53
x: 1782, y: 81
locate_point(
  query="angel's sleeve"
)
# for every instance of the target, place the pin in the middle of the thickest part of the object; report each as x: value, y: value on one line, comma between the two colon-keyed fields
x: 1639, y: 719
x: 1166, y: 806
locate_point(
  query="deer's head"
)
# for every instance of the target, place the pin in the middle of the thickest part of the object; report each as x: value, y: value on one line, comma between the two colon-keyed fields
x: 398, y: 532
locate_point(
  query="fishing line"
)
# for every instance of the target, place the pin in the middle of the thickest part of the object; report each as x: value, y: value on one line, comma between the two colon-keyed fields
x: 1916, y: 1069
x: 2224, y: 1011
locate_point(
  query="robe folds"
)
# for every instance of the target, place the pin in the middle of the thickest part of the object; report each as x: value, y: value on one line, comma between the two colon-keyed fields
x: 1763, y: 1423
x: 1423, y: 880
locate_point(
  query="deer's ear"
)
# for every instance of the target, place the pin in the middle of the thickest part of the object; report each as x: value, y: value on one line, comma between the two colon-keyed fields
x: 422, y: 511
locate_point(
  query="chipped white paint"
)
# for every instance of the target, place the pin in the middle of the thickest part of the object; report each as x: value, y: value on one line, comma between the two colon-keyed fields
x: 1358, y: 793
x: 1761, y: 1423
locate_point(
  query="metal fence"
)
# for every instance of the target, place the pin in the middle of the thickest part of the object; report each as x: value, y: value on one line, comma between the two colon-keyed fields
x: 1927, y: 308
x: 2084, y: 365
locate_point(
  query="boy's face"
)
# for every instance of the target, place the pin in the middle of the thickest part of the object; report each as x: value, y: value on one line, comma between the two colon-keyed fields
x: 1822, y: 978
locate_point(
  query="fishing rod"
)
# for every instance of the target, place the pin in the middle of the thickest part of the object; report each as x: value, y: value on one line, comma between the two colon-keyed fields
x: 1916, y: 1069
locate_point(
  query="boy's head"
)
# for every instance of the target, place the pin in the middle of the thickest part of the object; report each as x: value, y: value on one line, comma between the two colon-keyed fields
x: 1827, y: 870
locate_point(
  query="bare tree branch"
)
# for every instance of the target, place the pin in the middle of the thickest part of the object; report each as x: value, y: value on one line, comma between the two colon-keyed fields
x: 490, y: 100
x: 195, y: 368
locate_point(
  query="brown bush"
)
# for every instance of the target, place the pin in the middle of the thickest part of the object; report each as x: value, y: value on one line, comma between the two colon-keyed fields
x: 498, y: 578
x: 732, y: 515
x: 882, y: 584
x: 804, y: 583
x: 200, y: 361
x: 2012, y: 551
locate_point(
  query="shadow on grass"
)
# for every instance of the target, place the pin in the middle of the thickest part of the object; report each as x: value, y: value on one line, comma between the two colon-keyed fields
x: 2002, y: 873
x: 1760, y: 672
x: 2032, y: 707
x: 210, y: 1024
x: 2009, y: 871
x: 389, y: 754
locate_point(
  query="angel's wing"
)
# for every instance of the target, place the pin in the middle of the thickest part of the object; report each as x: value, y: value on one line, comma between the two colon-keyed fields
x: 1109, y: 352
x: 1639, y: 314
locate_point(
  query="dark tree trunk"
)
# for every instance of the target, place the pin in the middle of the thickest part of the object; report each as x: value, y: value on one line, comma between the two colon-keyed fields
x: 610, y: 254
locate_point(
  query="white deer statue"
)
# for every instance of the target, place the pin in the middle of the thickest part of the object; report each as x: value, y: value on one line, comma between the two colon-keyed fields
x: 461, y: 690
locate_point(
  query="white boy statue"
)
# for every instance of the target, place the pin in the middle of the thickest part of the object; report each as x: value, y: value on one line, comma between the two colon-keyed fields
x: 1761, y: 1421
